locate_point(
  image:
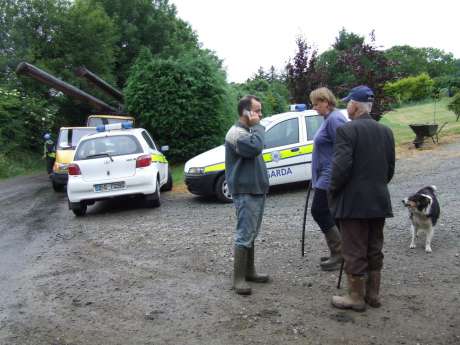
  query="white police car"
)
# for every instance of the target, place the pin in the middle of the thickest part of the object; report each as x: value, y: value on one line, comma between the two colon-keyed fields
x: 287, y: 154
x: 117, y: 161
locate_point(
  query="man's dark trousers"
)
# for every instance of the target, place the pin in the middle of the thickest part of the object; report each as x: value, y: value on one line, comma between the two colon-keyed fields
x: 362, y: 243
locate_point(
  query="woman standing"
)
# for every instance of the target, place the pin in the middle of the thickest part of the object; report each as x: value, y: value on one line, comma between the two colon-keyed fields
x: 324, y: 102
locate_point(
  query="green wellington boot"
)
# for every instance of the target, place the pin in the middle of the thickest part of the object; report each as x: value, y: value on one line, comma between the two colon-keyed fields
x: 239, y: 271
x: 251, y: 274
x: 334, y: 243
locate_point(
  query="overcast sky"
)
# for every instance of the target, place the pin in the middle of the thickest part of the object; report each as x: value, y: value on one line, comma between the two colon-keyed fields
x: 248, y: 34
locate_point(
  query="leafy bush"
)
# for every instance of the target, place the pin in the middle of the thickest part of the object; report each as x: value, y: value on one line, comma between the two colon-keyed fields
x: 410, y: 88
x: 24, y: 120
x: 454, y: 105
x: 449, y: 84
x: 269, y: 88
x: 183, y: 102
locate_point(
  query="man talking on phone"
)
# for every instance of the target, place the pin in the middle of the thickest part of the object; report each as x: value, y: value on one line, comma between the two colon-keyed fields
x: 247, y: 180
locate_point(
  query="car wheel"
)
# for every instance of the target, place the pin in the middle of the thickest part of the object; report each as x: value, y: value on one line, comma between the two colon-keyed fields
x: 221, y: 190
x: 57, y: 187
x: 80, y: 210
x: 169, y: 183
x: 153, y: 200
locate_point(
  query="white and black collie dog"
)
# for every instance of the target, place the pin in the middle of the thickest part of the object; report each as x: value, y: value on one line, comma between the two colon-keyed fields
x: 424, y: 212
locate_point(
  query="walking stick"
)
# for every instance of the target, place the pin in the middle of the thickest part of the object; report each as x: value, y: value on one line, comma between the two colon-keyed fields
x: 343, y: 262
x: 340, y: 274
x: 305, y: 218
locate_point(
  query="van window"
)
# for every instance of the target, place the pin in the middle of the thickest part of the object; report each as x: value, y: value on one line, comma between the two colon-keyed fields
x: 69, y: 137
x: 283, y: 133
x: 99, y: 121
x: 313, y: 123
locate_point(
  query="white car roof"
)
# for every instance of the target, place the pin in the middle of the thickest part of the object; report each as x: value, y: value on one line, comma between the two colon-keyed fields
x: 134, y: 131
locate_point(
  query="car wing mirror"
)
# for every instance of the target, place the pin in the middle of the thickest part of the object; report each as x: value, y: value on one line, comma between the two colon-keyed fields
x: 164, y: 148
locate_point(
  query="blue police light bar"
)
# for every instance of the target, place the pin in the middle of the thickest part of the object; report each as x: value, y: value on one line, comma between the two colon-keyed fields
x: 297, y: 107
x: 123, y: 125
x: 126, y: 125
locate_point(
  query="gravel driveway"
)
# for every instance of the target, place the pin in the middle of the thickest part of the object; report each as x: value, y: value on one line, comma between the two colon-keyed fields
x: 125, y: 274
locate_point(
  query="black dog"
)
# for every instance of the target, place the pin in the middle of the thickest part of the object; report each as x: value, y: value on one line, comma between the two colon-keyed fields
x: 424, y: 212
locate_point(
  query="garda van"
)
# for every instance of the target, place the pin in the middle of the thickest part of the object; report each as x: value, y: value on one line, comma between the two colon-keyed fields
x: 101, y: 120
x: 65, y: 149
x: 287, y: 154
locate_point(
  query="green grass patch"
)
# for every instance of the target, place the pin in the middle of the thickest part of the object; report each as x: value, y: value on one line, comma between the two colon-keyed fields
x: 21, y: 163
x: 177, y: 171
x: 423, y: 113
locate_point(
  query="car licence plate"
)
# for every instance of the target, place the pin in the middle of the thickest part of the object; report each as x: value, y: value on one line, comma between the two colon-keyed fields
x: 107, y: 187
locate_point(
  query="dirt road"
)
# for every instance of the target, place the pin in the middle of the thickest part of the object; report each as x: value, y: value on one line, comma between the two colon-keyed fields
x: 126, y: 275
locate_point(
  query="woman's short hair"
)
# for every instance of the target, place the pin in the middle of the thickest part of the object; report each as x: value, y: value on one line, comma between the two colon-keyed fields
x: 323, y: 94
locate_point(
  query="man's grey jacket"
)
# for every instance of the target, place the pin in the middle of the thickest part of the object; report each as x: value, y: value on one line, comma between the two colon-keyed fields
x: 245, y: 170
x: 363, y: 165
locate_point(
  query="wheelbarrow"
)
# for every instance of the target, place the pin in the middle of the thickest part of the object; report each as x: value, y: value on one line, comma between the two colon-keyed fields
x: 423, y: 131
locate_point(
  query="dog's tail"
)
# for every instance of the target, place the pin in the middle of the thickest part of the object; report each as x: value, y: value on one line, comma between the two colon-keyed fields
x: 433, y: 188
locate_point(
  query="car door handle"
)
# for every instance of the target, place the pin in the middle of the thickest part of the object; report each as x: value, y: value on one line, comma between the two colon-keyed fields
x: 295, y: 149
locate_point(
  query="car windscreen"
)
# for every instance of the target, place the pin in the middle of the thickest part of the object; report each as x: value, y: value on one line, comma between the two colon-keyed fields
x: 99, y: 121
x: 116, y: 145
x: 69, y: 137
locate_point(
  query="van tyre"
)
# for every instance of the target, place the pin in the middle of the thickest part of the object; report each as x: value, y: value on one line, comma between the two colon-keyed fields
x: 221, y: 190
x: 169, y: 183
x: 153, y: 200
x: 57, y: 186
x: 79, y: 209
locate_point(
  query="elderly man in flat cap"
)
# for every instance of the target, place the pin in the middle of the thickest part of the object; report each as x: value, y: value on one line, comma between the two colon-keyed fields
x: 363, y: 165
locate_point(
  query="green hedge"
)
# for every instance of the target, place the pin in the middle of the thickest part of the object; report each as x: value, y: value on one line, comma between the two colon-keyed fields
x: 184, y: 103
x: 410, y: 89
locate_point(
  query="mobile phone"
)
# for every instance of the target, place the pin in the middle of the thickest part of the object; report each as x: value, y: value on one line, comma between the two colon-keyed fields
x: 247, y: 113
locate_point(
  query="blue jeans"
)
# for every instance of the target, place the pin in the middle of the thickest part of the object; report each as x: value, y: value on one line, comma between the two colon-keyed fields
x: 249, y: 212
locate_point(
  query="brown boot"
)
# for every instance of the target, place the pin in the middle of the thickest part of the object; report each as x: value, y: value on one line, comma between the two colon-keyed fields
x: 373, y: 289
x: 355, y: 298
x: 251, y: 274
x: 334, y: 243
x: 239, y: 271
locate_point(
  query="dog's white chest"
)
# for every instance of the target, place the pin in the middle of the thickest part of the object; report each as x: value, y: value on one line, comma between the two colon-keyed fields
x: 421, y: 221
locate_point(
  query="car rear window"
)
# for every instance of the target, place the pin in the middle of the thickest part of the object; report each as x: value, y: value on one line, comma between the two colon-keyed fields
x: 117, y: 145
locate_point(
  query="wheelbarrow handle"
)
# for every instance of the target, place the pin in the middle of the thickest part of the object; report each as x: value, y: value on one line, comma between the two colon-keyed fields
x: 440, y: 128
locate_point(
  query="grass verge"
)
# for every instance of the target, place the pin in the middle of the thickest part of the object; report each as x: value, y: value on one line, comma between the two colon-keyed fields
x: 21, y: 163
x: 425, y: 113
x: 177, y: 171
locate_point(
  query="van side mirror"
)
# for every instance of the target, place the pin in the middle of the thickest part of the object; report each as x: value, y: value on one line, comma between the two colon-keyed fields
x: 164, y: 148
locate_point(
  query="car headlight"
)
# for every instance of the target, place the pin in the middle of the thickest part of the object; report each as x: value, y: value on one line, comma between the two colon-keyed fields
x: 195, y: 170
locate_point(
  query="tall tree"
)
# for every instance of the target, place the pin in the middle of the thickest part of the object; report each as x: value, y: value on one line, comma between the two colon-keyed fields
x: 146, y: 23
x: 352, y: 62
x: 57, y: 36
x: 302, y: 74
x: 411, y: 61
x: 369, y: 66
x: 347, y: 40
